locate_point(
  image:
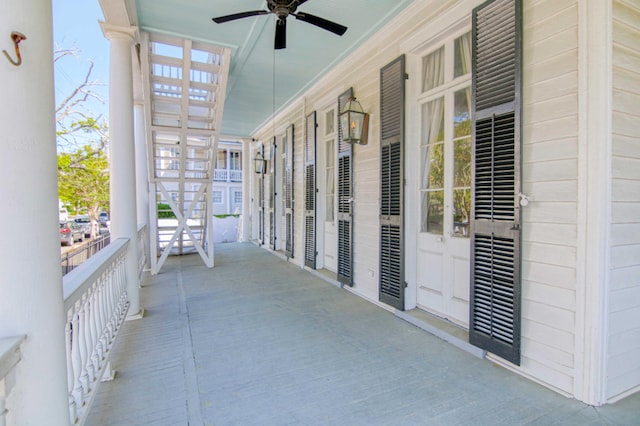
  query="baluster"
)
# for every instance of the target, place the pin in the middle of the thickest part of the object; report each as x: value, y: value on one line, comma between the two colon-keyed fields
x: 76, y: 355
x: 122, y: 288
x: 68, y: 333
x: 113, y: 300
x: 83, y: 333
x: 102, y: 317
x: 114, y: 314
x: 96, y: 349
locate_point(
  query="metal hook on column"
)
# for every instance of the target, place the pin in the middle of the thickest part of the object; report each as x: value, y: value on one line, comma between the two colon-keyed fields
x: 17, y: 38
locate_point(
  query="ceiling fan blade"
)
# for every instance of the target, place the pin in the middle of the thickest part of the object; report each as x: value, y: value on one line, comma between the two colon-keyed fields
x: 321, y: 22
x: 281, y: 34
x: 234, y: 16
x: 301, y: 2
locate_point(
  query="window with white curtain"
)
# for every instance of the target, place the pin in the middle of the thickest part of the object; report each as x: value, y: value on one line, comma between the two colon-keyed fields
x: 445, y: 148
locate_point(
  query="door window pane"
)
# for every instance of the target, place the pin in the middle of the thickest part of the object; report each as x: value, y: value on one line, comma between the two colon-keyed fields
x: 462, y: 211
x: 330, y: 126
x: 433, y: 166
x: 462, y: 58
x: 462, y: 114
x: 462, y: 162
x: 433, y: 212
x: 433, y: 70
x: 432, y: 151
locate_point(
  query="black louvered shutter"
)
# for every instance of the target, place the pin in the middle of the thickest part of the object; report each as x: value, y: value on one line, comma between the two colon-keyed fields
x: 261, y: 206
x: 495, y: 242
x: 310, y: 192
x: 288, y: 191
x: 392, y: 100
x: 345, y: 202
x: 273, y: 193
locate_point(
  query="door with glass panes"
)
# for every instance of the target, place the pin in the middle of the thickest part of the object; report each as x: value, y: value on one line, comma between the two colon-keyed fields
x: 444, y: 111
x: 329, y: 134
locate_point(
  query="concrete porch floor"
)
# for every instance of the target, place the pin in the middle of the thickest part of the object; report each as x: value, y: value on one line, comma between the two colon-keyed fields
x: 259, y: 341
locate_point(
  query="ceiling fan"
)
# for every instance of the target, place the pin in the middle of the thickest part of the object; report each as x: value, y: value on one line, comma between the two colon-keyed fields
x: 282, y: 9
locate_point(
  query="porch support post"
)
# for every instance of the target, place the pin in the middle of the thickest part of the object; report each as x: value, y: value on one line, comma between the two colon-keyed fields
x: 31, y: 301
x: 594, y: 200
x: 246, y: 190
x: 122, y: 167
x: 142, y: 183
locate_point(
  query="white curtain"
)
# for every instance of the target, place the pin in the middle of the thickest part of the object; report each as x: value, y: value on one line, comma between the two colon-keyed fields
x: 432, y: 125
x: 433, y: 70
x: 464, y: 45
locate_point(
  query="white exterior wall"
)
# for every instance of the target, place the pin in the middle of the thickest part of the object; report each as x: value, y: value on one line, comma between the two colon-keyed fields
x: 550, y: 178
x: 623, y: 347
x: 292, y: 115
x: 555, y: 227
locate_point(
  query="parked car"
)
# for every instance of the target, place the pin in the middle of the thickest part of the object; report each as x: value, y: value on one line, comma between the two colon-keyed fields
x: 70, y: 232
x: 85, y: 224
x: 63, y: 215
x: 103, y: 218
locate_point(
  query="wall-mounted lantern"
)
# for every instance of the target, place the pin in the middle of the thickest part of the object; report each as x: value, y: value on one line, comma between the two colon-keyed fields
x: 259, y: 163
x: 354, y: 123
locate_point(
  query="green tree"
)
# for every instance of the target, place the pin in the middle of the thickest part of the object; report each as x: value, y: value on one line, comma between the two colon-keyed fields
x: 83, y: 180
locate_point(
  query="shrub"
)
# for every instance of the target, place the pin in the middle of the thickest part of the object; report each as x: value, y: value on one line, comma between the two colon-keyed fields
x: 165, y: 212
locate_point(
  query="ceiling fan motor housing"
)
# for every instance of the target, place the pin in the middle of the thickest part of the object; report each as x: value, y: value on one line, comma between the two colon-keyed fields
x: 282, y: 8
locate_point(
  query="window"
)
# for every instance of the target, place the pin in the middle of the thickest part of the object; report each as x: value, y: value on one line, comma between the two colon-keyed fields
x: 237, y: 197
x: 217, y: 197
x: 235, y: 160
x: 445, y: 149
x: 221, y: 159
x: 330, y: 126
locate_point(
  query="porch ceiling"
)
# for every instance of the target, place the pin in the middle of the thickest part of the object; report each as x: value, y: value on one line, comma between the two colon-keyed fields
x: 310, y: 50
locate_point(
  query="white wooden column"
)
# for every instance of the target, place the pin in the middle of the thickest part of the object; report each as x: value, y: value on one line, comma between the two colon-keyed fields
x: 594, y: 199
x: 122, y: 166
x: 142, y: 172
x: 246, y: 190
x: 31, y: 285
x: 142, y: 179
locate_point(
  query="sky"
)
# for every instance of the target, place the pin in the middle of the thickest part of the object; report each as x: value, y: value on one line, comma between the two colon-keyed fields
x: 75, y: 26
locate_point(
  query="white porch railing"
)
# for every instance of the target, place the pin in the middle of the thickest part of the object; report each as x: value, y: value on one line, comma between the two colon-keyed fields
x: 9, y: 357
x: 143, y: 248
x: 220, y: 175
x: 227, y: 175
x: 95, y: 302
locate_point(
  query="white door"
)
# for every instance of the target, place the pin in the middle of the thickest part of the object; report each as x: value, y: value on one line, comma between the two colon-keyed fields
x: 329, y: 135
x: 444, y: 208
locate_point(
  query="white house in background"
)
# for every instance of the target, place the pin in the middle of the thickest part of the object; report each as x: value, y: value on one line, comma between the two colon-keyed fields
x: 226, y: 195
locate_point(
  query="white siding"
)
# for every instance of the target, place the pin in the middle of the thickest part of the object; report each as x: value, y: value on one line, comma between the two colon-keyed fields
x: 551, y: 147
x: 295, y: 116
x: 623, y: 351
x: 360, y: 71
x: 550, y: 179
